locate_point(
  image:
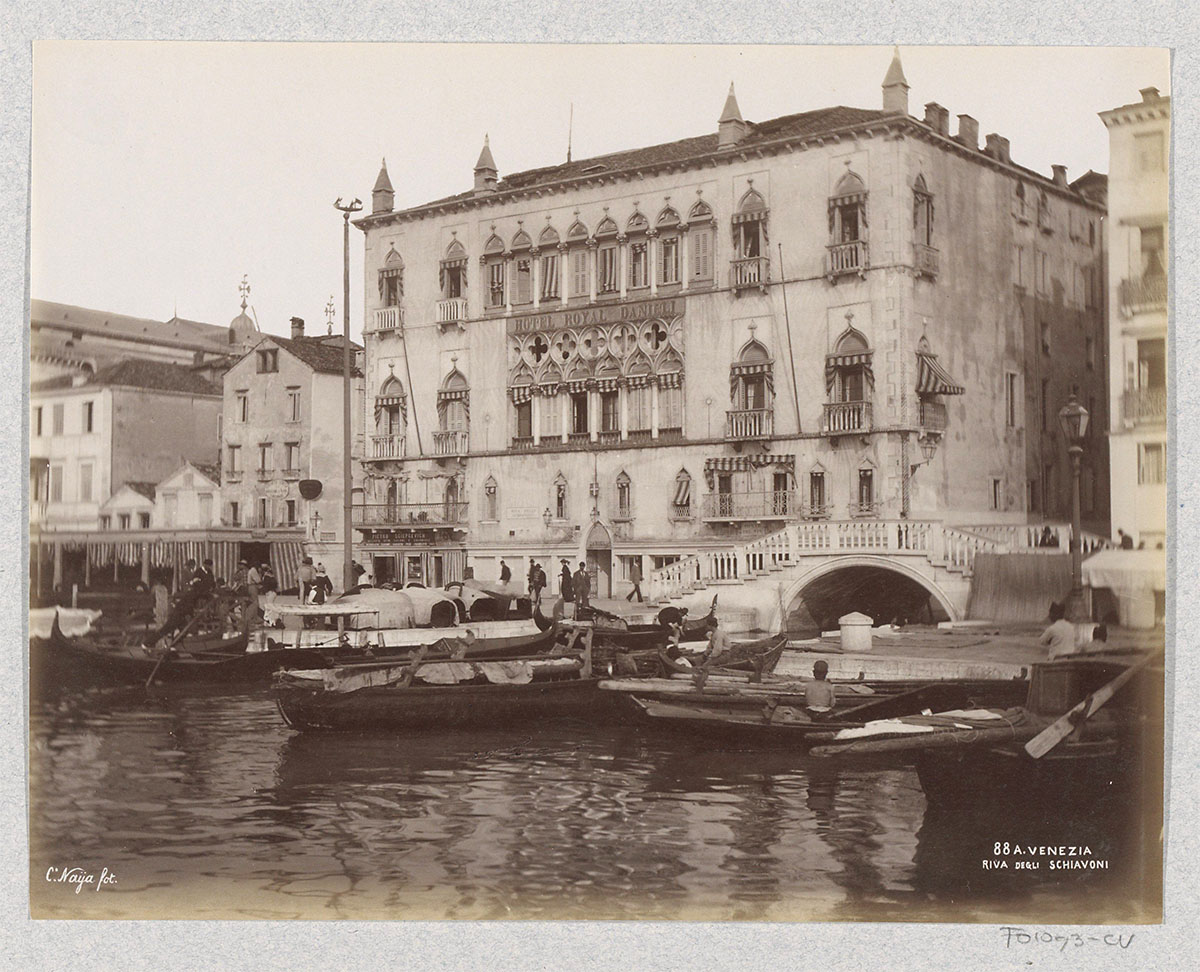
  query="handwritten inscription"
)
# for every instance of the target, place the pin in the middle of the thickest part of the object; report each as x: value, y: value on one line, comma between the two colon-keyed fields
x: 78, y: 878
x: 605, y: 314
x: 1030, y: 857
x: 1014, y: 936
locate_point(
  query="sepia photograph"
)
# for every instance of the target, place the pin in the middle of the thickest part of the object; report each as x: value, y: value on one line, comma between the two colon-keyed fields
x: 599, y: 482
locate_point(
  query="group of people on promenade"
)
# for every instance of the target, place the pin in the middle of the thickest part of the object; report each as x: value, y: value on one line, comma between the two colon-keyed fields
x: 575, y: 587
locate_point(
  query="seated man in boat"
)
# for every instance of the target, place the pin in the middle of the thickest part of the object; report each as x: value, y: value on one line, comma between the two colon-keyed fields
x: 718, y: 646
x: 819, y: 694
x: 671, y: 615
x: 1060, y: 636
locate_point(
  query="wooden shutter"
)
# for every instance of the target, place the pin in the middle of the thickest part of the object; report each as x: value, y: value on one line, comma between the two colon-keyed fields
x: 702, y: 254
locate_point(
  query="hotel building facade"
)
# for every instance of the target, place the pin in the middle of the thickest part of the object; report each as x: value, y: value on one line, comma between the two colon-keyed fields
x: 840, y: 317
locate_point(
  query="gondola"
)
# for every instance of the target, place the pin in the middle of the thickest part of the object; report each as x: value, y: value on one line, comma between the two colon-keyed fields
x: 440, y: 695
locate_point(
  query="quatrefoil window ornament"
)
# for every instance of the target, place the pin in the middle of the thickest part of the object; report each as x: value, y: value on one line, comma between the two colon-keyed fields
x: 539, y: 348
x: 656, y: 335
x: 564, y: 347
x: 594, y: 342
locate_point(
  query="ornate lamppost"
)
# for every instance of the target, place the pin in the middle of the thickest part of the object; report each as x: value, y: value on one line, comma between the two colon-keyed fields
x: 1073, y: 420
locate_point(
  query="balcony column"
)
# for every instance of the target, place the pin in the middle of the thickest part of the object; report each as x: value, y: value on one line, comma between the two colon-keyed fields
x: 508, y: 283
x: 564, y: 269
x: 594, y: 268
x: 623, y: 399
x: 535, y: 418
x: 683, y: 258
x: 654, y: 410
x: 623, y: 249
x: 535, y: 275
x: 593, y: 400
x: 653, y: 252
x: 564, y: 404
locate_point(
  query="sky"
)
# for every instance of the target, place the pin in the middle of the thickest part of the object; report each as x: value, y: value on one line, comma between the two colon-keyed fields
x: 165, y: 171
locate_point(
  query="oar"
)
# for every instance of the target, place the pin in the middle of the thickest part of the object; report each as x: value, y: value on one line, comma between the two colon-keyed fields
x: 1048, y: 738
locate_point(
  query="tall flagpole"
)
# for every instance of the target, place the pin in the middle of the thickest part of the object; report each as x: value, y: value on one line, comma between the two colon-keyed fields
x: 348, y: 578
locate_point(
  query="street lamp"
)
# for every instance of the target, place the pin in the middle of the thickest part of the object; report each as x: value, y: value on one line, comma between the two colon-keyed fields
x: 348, y: 579
x: 1073, y: 420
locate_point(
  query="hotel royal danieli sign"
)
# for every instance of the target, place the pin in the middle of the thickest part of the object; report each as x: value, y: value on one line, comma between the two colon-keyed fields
x: 605, y: 314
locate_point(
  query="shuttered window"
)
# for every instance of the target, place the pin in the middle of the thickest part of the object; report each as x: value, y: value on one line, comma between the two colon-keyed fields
x: 580, y: 276
x: 670, y: 408
x: 701, y: 245
x: 639, y: 408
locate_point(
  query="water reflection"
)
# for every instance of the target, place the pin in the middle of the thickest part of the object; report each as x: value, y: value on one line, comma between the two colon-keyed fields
x: 209, y: 806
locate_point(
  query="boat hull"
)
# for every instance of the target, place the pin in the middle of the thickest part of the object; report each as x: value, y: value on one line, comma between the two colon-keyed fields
x: 439, y: 707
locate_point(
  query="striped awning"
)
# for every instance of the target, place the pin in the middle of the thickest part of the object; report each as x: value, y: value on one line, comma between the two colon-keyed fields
x: 520, y: 393
x: 854, y: 359
x: 683, y: 491
x: 384, y: 401
x: 639, y: 381
x: 671, y: 379
x: 576, y: 385
x: 285, y: 561
x: 608, y: 384
x: 933, y: 379
x: 755, y: 461
x: 463, y: 395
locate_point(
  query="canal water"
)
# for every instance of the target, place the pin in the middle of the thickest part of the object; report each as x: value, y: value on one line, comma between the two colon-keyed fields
x: 209, y: 806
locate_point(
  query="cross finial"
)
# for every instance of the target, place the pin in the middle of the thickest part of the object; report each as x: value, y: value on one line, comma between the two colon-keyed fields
x: 454, y: 360
x: 330, y: 311
x: 244, y: 290
x: 750, y: 182
x: 849, y: 318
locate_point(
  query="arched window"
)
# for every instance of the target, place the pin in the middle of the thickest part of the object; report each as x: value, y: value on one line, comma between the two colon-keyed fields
x: 454, y: 403
x: 848, y: 226
x: 639, y: 251
x: 623, y: 507
x: 522, y: 269
x: 391, y: 418
x: 607, y: 258
x: 866, y: 497
x: 578, y: 261
x: 751, y: 378
x: 681, y: 499
x: 549, y: 263
x: 1043, y: 213
x: 700, y: 242
x: 818, y: 498
x: 491, y: 500
x: 494, y: 267
x: 848, y: 382
x: 452, y: 508
x: 922, y: 213
x: 452, y: 276
x: 559, y: 497
x: 668, y: 228
x: 391, y: 279
x: 1020, y: 202
x: 751, y: 262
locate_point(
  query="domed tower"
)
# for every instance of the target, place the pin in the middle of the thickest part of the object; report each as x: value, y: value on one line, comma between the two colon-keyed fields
x: 243, y: 327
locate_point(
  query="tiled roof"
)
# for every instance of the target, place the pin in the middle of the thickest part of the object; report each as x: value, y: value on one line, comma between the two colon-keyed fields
x: 145, y: 489
x: 138, y: 373
x: 322, y: 354
x: 787, y: 126
x: 176, y: 331
x: 212, y: 471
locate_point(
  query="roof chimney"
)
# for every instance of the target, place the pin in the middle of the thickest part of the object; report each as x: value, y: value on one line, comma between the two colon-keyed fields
x: 997, y: 147
x: 1149, y: 94
x: 937, y: 118
x: 731, y: 127
x: 486, y: 173
x: 1060, y: 175
x: 382, y: 196
x: 297, y: 327
x: 895, y: 87
x: 968, y: 131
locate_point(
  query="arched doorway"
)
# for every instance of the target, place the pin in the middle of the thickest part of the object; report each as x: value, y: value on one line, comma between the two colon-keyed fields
x: 599, y: 560
x: 881, y: 592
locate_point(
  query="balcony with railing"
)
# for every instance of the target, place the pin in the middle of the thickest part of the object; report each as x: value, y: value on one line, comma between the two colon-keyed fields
x: 450, y: 442
x: 749, y: 272
x: 933, y: 416
x: 846, y: 418
x: 843, y: 258
x: 925, y: 260
x: 389, y: 319
x: 291, y: 473
x: 618, y: 504
x: 860, y: 511
x: 1144, y: 406
x: 265, y: 475
x: 387, y: 447
x: 523, y: 443
x: 1142, y: 295
x: 770, y: 505
x: 404, y: 516
x: 452, y: 310
x: 750, y: 423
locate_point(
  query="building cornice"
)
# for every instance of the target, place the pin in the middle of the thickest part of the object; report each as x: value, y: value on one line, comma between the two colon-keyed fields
x: 896, y: 125
x: 1134, y: 114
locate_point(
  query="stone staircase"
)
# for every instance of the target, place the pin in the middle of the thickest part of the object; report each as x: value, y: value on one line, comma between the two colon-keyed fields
x: 945, y: 550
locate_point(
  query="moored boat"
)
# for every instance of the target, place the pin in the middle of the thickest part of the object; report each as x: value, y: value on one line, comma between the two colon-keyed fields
x: 429, y: 694
x: 1061, y: 748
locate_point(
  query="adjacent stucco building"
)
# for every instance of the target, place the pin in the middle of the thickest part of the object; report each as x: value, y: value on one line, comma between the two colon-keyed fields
x: 844, y: 316
x: 1139, y: 256
x: 283, y: 426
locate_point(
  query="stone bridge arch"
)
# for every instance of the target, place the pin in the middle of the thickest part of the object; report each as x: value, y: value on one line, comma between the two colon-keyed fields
x: 804, y: 578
